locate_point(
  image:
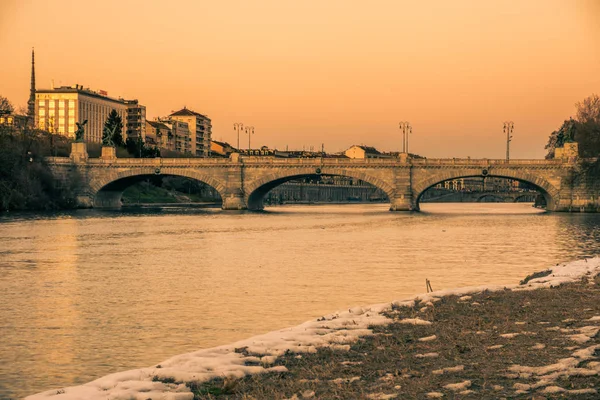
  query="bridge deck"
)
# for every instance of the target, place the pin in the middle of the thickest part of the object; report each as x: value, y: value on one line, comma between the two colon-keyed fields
x: 311, y: 161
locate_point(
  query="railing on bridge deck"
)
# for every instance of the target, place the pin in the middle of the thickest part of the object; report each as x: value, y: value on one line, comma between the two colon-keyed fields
x: 482, y: 161
x: 262, y: 160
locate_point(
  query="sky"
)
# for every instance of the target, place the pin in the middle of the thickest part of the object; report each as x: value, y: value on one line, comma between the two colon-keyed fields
x: 337, y: 72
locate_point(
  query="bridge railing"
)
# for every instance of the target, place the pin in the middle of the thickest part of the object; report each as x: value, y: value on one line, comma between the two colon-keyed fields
x: 262, y: 160
x: 481, y: 162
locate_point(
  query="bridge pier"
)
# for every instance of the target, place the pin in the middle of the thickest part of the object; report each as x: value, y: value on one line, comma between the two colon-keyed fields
x: 234, y: 202
x: 108, y: 199
x: 402, y: 203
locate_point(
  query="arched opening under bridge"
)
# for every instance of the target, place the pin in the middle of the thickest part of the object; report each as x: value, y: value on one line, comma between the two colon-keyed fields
x: 484, y: 189
x: 316, y: 189
x: 153, y: 189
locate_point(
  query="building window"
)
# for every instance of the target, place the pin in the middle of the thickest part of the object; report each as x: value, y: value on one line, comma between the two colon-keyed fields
x: 41, y: 103
x: 42, y: 112
x: 61, y: 104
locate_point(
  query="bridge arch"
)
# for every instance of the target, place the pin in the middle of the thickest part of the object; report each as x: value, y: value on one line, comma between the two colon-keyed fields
x: 546, y: 189
x: 525, y: 197
x: 256, y: 190
x: 494, y: 197
x: 107, y: 190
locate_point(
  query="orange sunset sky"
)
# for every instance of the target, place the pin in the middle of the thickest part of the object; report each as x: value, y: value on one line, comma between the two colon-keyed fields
x: 335, y: 72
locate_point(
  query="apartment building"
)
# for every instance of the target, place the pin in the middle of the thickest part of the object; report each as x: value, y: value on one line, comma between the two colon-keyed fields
x: 200, y: 128
x: 58, y: 110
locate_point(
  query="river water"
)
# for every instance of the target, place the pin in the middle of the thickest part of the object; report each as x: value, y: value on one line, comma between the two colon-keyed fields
x: 88, y: 293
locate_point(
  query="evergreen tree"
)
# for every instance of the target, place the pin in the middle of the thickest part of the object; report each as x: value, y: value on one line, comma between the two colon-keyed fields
x: 114, y: 125
x: 5, y: 106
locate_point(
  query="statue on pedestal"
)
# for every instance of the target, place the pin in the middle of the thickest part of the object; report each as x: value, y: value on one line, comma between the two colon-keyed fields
x: 80, y: 131
x: 571, y: 129
x: 107, y: 136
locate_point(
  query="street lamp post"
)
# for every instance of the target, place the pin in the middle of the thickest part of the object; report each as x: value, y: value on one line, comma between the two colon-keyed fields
x: 237, y: 126
x: 249, y: 131
x: 406, y: 129
x: 509, y: 126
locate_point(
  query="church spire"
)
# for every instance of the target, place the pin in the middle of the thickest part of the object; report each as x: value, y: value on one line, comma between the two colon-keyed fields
x: 31, y: 101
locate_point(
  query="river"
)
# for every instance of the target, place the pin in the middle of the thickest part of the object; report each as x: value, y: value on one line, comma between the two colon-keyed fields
x: 88, y: 293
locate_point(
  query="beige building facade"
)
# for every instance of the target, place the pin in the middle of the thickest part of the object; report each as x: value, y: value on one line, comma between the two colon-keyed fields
x: 364, y: 152
x: 169, y: 134
x: 200, y: 128
x: 58, y: 110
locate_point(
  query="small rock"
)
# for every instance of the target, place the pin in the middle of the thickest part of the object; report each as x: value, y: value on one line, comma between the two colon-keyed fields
x: 553, y: 389
x: 435, y: 395
x: 427, y: 355
x: 414, y: 321
x: 495, y: 347
x: 458, y: 386
x: 381, y: 396
x: 521, y: 386
x: 582, y: 391
x: 427, y: 338
x: 308, y: 394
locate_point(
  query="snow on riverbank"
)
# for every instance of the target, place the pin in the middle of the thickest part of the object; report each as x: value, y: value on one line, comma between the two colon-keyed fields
x: 257, y: 354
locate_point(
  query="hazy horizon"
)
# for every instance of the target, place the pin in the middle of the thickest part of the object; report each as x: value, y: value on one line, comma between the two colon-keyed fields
x: 336, y: 72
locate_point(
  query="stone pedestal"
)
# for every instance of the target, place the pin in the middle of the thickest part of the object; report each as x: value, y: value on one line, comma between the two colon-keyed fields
x: 108, y: 153
x: 79, y: 152
x: 569, y: 152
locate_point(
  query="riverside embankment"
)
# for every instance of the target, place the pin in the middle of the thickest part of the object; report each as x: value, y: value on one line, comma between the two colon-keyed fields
x: 536, y: 337
x: 113, y: 291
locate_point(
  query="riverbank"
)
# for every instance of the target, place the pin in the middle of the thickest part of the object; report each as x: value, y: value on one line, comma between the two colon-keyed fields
x: 488, y: 341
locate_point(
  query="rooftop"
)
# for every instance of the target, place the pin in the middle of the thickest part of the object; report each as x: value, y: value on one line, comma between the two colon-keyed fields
x: 157, y: 124
x: 368, y: 149
x: 88, y: 92
x: 187, y: 112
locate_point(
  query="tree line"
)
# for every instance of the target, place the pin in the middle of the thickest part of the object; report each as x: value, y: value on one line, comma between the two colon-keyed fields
x: 26, y: 181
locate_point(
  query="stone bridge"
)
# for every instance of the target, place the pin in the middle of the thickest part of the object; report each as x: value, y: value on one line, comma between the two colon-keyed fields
x: 243, y: 182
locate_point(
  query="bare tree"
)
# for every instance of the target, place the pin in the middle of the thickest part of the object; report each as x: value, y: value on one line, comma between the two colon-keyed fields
x: 588, y: 110
x: 5, y: 106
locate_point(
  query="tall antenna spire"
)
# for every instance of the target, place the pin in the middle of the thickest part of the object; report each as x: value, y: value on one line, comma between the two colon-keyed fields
x: 31, y: 102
